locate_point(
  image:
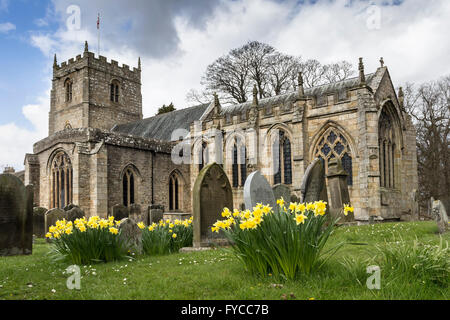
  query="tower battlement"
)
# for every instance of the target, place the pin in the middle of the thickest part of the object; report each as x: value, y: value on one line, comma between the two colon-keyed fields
x: 99, y: 62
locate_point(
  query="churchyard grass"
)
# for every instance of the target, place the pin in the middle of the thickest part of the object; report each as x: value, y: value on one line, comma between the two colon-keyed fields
x: 217, y: 274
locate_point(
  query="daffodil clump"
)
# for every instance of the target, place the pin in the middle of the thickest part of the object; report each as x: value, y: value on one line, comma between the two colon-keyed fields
x: 284, y: 242
x: 166, y: 236
x: 85, y: 241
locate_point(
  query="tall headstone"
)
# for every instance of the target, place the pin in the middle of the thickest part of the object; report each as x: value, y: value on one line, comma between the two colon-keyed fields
x: 39, y: 222
x: 16, y: 216
x: 282, y: 191
x: 440, y: 215
x: 131, y: 235
x: 313, y: 186
x: 211, y: 194
x: 257, y: 190
x: 339, y: 195
x: 135, y: 212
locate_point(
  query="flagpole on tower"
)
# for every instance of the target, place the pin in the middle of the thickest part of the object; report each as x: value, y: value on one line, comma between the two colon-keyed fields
x: 98, y: 34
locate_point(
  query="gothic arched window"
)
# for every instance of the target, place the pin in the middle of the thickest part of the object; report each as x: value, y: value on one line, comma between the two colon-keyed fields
x: 114, y: 91
x: 386, y: 140
x: 203, y: 156
x: 61, y: 180
x: 334, y: 145
x: 68, y: 86
x: 175, y: 192
x: 128, y: 187
x: 282, y: 160
x: 239, y: 164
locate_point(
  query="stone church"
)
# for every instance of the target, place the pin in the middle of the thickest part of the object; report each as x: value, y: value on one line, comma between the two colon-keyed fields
x: 100, y: 152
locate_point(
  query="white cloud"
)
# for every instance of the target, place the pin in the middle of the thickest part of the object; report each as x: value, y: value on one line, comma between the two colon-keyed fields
x: 7, y: 27
x: 17, y: 141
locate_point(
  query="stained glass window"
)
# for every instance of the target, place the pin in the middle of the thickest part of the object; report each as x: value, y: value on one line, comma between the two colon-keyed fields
x: 334, y: 145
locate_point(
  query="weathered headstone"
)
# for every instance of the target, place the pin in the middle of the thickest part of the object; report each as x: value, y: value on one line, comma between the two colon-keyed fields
x: 120, y: 212
x: 16, y: 216
x: 53, y: 215
x: 134, y: 212
x: 258, y: 190
x: 414, y: 205
x: 212, y: 192
x: 282, y: 191
x: 69, y: 207
x: 131, y: 235
x: 313, y: 186
x: 339, y: 195
x: 440, y: 215
x: 39, y: 221
x: 155, y: 213
x: 75, y: 213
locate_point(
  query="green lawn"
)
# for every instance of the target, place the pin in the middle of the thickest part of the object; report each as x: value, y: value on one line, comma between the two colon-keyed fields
x: 217, y: 274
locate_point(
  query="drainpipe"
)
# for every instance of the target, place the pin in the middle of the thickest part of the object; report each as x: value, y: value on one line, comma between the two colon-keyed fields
x: 153, y: 164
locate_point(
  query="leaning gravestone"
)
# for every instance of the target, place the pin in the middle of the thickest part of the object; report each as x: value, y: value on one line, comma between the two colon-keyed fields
x: 211, y: 194
x: 53, y: 215
x: 74, y: 213
x: 120, y: 212
x: 258, y: 190
x: 39, y: 221
x: 16, y: 216
x: 282, y: 191
x: 313, y: 186
x: 440, y: 215
x: 131, y: 235
x: 337, y: 182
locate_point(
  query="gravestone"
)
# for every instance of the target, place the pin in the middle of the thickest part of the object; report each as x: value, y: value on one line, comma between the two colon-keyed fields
x: 414, y: 205
x: 74, y: 213
x: 313, y: 186
x: 120, y: 212
x: 16, y: 216
x: 282, y: 191
x: 258, y: 190
x: 134, y: 211
x: 440, y: 215
x: 131, y: 235
x: 155, y: 213
x: 211, y: 194
x: 339, y: 195
x: 69, y: 207
x: 39, y: 222
x: 53, y: 215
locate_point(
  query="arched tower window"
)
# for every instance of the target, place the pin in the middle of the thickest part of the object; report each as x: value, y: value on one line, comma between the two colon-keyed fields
x: 175, y: 192
x: 239, y: 164
x: 61, y: 180
x: 128, y: 187
x: 68, y: 85
x: 203, y: 156
x: 114, y: 91
x: 387, y: 147
x: 334, y: 145
x: 282, y: 160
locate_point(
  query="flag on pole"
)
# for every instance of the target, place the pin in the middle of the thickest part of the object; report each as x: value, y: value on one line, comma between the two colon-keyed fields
x: 98, y: 21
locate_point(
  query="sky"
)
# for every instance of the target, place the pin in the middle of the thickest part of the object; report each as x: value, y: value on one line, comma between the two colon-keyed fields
x: 178, y: 39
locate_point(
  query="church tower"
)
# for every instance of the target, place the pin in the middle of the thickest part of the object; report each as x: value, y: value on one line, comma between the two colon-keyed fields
x: 91, y: 92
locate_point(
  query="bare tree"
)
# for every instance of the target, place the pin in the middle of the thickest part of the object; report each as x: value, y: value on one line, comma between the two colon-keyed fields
x: 233, y: 75
x: 429, y: 106
x: 339, y: 71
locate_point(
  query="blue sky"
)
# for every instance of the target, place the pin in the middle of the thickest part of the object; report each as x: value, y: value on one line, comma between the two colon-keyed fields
x: 176, y: 40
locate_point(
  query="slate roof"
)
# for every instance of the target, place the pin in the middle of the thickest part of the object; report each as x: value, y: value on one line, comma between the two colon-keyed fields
x: 160, y: 127
x: 309, y: 92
